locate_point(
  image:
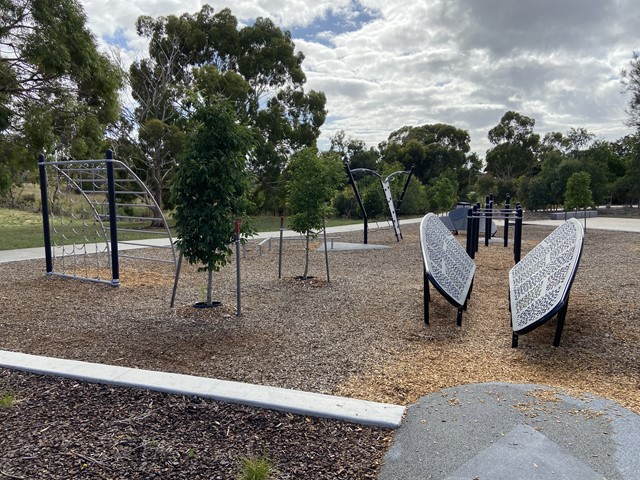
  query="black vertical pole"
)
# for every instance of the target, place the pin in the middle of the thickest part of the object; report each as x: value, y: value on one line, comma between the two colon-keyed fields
x: 487, y: 221
x: 517, y: 236
x: 113, y: 226
x: 44, y: 199
x: 470, y: 251
x: 404, y: 190
x: 175, y: 281
x: 359, y: 198
x: 507, y: 206
x: 426, y: 296
x: 476, y: 227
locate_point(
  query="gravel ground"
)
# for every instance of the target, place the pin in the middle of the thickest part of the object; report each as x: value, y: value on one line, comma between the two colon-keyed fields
x: 360, y: 335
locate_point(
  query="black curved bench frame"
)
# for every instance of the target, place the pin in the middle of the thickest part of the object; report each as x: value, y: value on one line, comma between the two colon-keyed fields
x: 446, y: 265
x: 539, y: 285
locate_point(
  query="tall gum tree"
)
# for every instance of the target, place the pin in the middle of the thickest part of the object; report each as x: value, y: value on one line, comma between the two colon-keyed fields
x: 515, y: 147
x: 432, y: 149
x: 255, y: 67
x: 57, y: 92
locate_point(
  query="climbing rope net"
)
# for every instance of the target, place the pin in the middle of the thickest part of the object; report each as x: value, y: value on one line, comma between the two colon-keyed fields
x: 95, y: 213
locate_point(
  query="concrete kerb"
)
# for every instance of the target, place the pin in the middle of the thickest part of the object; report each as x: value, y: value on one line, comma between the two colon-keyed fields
x: 293, y: 401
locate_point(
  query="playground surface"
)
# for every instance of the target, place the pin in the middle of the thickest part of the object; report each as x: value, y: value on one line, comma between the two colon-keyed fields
x: 361, y: 336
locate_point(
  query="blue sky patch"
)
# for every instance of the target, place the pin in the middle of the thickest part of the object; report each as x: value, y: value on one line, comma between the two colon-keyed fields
x: 335, y: 22
x: 117, y: 39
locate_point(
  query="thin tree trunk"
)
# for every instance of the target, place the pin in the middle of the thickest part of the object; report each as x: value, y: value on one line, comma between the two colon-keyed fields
x: 209, y: 284
x: 306, y: 261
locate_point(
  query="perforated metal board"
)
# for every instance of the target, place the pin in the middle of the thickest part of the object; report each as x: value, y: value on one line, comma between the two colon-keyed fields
x: 447, y: 264
x: 539, y: 284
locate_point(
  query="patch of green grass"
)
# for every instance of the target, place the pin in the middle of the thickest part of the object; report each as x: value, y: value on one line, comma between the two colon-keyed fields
x: 7, y: 399
x: 23, y: 229
x: 254, y: 468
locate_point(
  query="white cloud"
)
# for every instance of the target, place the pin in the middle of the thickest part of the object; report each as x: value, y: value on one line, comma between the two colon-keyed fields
x: 463, y: 62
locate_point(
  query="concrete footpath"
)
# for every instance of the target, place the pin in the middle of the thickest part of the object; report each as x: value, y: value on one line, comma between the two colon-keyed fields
x: 499, y: 431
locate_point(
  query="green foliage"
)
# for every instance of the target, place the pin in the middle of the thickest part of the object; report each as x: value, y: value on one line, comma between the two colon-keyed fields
x: 631, y: 81
x: 627, y: 187
x: 415, y: 199
x: 211, y: 185
x: 515, y: 146
x: 354, y: 151
x: 442, y: 193
x: 578, y: 193
x: 57, y: 92
x: 254, y: 468
x: 313, y: 182
x: 345, y: 204
x: 373, y: 197
x: 535, y: 193
x: 431, y: 150
x: 7, y: 399
x: 255, y: 67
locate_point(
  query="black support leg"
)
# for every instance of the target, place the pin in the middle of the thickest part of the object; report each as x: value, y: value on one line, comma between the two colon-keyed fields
x: 561, y: 316
x: 426, y: 297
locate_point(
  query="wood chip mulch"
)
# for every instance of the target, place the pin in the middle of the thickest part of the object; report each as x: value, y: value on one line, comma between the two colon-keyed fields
x: 360, y: 335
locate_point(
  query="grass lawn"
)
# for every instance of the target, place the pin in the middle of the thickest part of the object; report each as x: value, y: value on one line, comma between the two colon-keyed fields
x: 23, y: 229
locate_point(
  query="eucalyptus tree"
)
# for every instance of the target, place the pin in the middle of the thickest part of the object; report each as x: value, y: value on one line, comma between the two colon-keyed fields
x: 631, y: 82
x: 255, y: 67
x: 515, y: 147
x: 431, y: 149
x: 57, y: 92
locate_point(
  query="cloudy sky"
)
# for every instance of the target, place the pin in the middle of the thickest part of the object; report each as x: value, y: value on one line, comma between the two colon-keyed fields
x: 384, y: 64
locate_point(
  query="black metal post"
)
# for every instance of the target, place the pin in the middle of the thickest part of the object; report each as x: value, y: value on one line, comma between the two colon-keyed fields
x: 476, y: 227
x: 561, y: 317
x: 507, y: 206
x: 487, y: 221
x: 426, y: 296
x: 44, y: 199
x: 470, y: 251
x: 404, y: 190
x: 517, y: 236
x: 175, y: 281
x: 113, y: 226
x: 359, y: 198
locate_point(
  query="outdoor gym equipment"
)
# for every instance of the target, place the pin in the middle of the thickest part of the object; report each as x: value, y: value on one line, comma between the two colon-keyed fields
x: 446, y: 265
x: 488, y: 214
x: 539, y: 285
x: 386, y: 188
x: 85, y: 205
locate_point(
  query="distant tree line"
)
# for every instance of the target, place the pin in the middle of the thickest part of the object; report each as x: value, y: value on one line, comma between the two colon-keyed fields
x: 61, y: 96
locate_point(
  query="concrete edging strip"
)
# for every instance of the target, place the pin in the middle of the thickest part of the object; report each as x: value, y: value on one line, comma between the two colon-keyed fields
x: 293, y: 401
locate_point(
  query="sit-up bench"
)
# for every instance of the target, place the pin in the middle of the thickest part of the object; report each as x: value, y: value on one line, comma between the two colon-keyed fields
x: 539, y: 284
x: 446, y: 265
